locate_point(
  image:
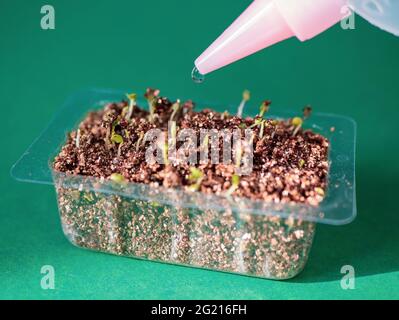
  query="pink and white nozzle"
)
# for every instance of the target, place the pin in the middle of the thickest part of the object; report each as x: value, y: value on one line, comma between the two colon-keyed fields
x: 266, y: 22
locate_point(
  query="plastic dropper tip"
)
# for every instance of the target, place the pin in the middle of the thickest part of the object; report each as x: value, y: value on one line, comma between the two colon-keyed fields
x: 197, y: 76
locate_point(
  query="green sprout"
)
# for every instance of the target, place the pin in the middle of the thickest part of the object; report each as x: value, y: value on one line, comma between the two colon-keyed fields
x: 235, y: 182
x: 224, y: 115
x: 297, y: 122
x: 264, y: 108
x: 155, y: 204
x: 173, y: 130
x: 262, y: 128
x: 151, y: 95
x: 132, y: 103
x: 139, y: 140
x: 124, y: 112
x: 165, y: 154
x: 113, y: 126
x: 301, y: 163
x: 246, y: 96
x: 205, y: 142
x: 88, y: 196
x: 175, y: 108
x: 117, y: 138
x: 163, y: 145
x: 257, y: 122
x: 238, y: 155
x: 196, y: 176
x: 319, y: 191
x: 120, y: 149
x: 110, y: 126
x: 118, y: 178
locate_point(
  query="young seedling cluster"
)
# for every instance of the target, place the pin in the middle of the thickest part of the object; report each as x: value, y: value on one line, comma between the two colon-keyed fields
x: 116, y: 135
x: 152, y: 95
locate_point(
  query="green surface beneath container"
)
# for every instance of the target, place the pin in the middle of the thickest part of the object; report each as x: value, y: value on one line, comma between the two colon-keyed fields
x: 125, y: 44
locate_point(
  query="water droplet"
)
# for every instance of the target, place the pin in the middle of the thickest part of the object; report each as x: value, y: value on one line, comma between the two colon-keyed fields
x: 197, y: 76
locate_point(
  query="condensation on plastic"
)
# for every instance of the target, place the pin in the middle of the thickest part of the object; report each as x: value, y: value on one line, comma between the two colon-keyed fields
x: 171, y: 225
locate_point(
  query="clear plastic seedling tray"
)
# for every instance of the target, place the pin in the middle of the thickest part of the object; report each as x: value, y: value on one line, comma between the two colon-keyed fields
x: 190, y: 228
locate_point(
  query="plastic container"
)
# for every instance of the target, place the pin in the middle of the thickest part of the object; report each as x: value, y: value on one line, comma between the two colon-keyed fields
x: 171, y: 225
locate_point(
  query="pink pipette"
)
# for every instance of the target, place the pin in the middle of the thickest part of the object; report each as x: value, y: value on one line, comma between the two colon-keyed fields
x: 266, y: 22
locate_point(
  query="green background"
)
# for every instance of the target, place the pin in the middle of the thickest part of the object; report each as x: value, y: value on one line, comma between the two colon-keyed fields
x: 135, y: 44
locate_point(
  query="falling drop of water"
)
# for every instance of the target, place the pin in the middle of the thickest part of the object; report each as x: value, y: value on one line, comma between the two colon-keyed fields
x: 197, y: 76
